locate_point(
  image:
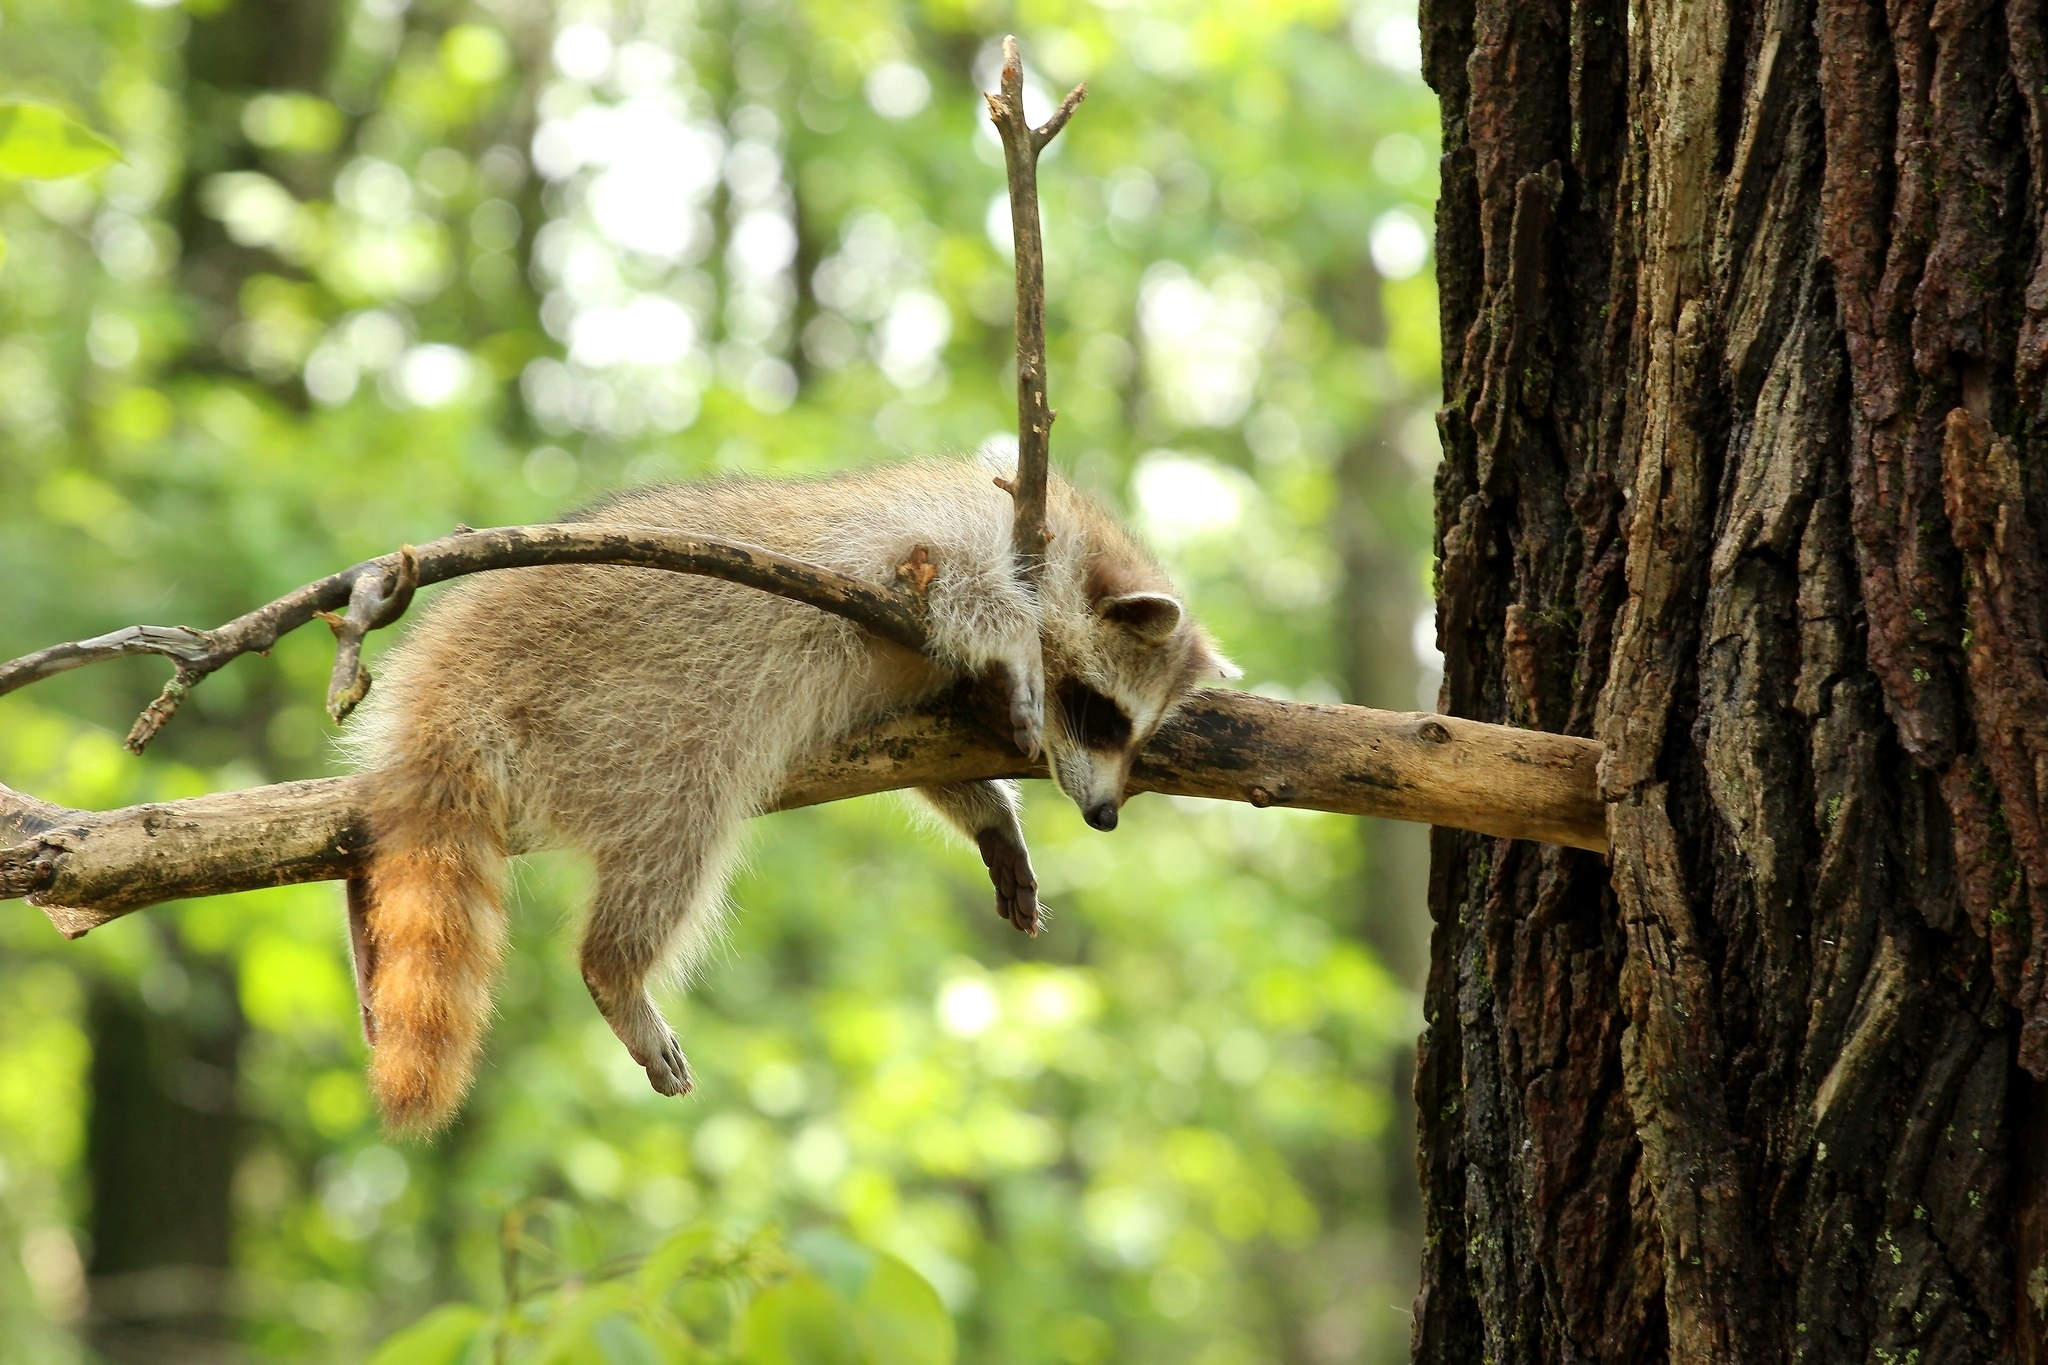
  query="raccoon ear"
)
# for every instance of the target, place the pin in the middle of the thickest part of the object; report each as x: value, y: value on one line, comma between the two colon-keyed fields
x: 1151, y: 616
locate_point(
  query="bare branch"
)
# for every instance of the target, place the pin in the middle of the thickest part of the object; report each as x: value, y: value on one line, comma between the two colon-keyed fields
x: 1021, y: 145
x: 84, y: 868
x: 1050, y: 129
x: 889, y: 612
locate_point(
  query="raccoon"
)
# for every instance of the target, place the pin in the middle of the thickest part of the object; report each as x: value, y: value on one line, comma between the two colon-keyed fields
x: 641, y: 717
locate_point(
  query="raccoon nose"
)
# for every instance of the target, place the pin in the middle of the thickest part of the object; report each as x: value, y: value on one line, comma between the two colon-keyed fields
x: 1102, y: 815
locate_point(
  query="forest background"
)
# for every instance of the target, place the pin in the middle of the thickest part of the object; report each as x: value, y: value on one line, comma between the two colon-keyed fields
x: 368, y: 270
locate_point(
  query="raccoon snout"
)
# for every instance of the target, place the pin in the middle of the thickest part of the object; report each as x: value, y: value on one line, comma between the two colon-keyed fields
x: 1102, y: 815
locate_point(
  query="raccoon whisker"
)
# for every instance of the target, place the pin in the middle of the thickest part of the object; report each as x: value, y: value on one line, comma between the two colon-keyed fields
x: 1094, y: 720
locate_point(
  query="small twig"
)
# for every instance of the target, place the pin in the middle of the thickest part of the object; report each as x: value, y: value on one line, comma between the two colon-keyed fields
x: 158, y: 713
x: 888, y: 611
x: 370, y: 607
x: 1021, y: 145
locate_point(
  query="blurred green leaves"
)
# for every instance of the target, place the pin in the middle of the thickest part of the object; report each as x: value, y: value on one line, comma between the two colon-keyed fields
x: 699, y: 1299
x: 447, y: 1336
x: 42, y: 142
x: 465, y: 263
x: 292, y: 122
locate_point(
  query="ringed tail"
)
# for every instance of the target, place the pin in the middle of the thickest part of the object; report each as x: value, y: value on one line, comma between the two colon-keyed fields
x: 427, y: 924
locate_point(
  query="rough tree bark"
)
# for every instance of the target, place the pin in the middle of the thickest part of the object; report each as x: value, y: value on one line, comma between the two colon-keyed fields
x: 1745, y: 319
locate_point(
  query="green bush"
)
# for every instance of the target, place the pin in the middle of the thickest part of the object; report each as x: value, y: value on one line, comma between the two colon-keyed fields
x: 697, y: 1299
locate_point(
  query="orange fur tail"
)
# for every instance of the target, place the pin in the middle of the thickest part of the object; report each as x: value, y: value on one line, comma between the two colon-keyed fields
x: 429, y: 930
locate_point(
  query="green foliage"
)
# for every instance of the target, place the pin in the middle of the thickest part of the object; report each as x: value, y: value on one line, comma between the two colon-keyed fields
x: 39, y: 142
x: 447, y: 1336
x: 355, y: 281
x: 698, y: 1299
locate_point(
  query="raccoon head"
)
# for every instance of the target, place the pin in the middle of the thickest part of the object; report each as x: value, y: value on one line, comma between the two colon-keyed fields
x: 1141, y: 657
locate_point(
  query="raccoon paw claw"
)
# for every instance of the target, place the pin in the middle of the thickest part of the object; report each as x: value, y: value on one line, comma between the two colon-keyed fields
x: 669, y: 1072
x: 652, y: 1044
x: 1027, y: 741
x: 1009, y: 869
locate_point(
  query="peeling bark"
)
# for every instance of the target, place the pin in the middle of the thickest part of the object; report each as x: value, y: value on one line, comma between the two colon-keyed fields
x: 1745, y: 330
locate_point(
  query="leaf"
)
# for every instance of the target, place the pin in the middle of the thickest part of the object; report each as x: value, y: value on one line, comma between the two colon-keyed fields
x: 897, y: 1315
x: 840, y: 1262
x: 620, y: 1341
x: 676, y: 1260
x: 900, y: 1319
x: 572, y: 1337
x: 41, y: 142
x: 800, y: 1322
x: 442, y: 1337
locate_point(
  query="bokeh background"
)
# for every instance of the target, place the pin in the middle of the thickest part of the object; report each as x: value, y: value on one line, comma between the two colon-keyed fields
x: 372, y: 268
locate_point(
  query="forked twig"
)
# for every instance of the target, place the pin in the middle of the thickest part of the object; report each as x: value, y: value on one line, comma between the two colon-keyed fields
x: 1021, y: 145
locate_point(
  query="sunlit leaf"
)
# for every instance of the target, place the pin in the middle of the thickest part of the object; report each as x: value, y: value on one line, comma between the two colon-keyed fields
x: 40, y: 142
x: 839, y: 1261
x: 620, y: 1341
x: 291, y: 122
x: 801, y: 1322
x: 675, y: 1261
x: 442, y: 1337
x: 474, y: 54
x: 900, y: 1319
x: 572, y: 1338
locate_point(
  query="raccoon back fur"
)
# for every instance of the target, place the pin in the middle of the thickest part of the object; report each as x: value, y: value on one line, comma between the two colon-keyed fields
x: 641, y: 717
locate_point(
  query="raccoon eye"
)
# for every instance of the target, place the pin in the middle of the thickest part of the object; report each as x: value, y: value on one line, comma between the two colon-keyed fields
x: 1092, y: 719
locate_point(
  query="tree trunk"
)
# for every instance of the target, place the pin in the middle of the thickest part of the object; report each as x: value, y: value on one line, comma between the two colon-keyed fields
x: 1745, y: 318
x: 160, y: 1153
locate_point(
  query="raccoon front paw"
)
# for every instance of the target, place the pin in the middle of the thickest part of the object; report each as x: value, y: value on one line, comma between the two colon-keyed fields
x: 1027, y: 716
x: 1009, y: 868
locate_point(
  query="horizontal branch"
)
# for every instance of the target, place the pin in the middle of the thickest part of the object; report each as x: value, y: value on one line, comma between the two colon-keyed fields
x: 85, y: 868
x: 894, y: 614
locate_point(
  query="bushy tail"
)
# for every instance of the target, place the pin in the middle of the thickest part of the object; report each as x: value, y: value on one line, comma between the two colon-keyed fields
x: 428, y: 926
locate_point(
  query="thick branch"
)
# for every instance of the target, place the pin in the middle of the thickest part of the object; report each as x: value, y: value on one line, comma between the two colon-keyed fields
x: 1021, y: 145
x: 387, y: 583
x: 84, y: 868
